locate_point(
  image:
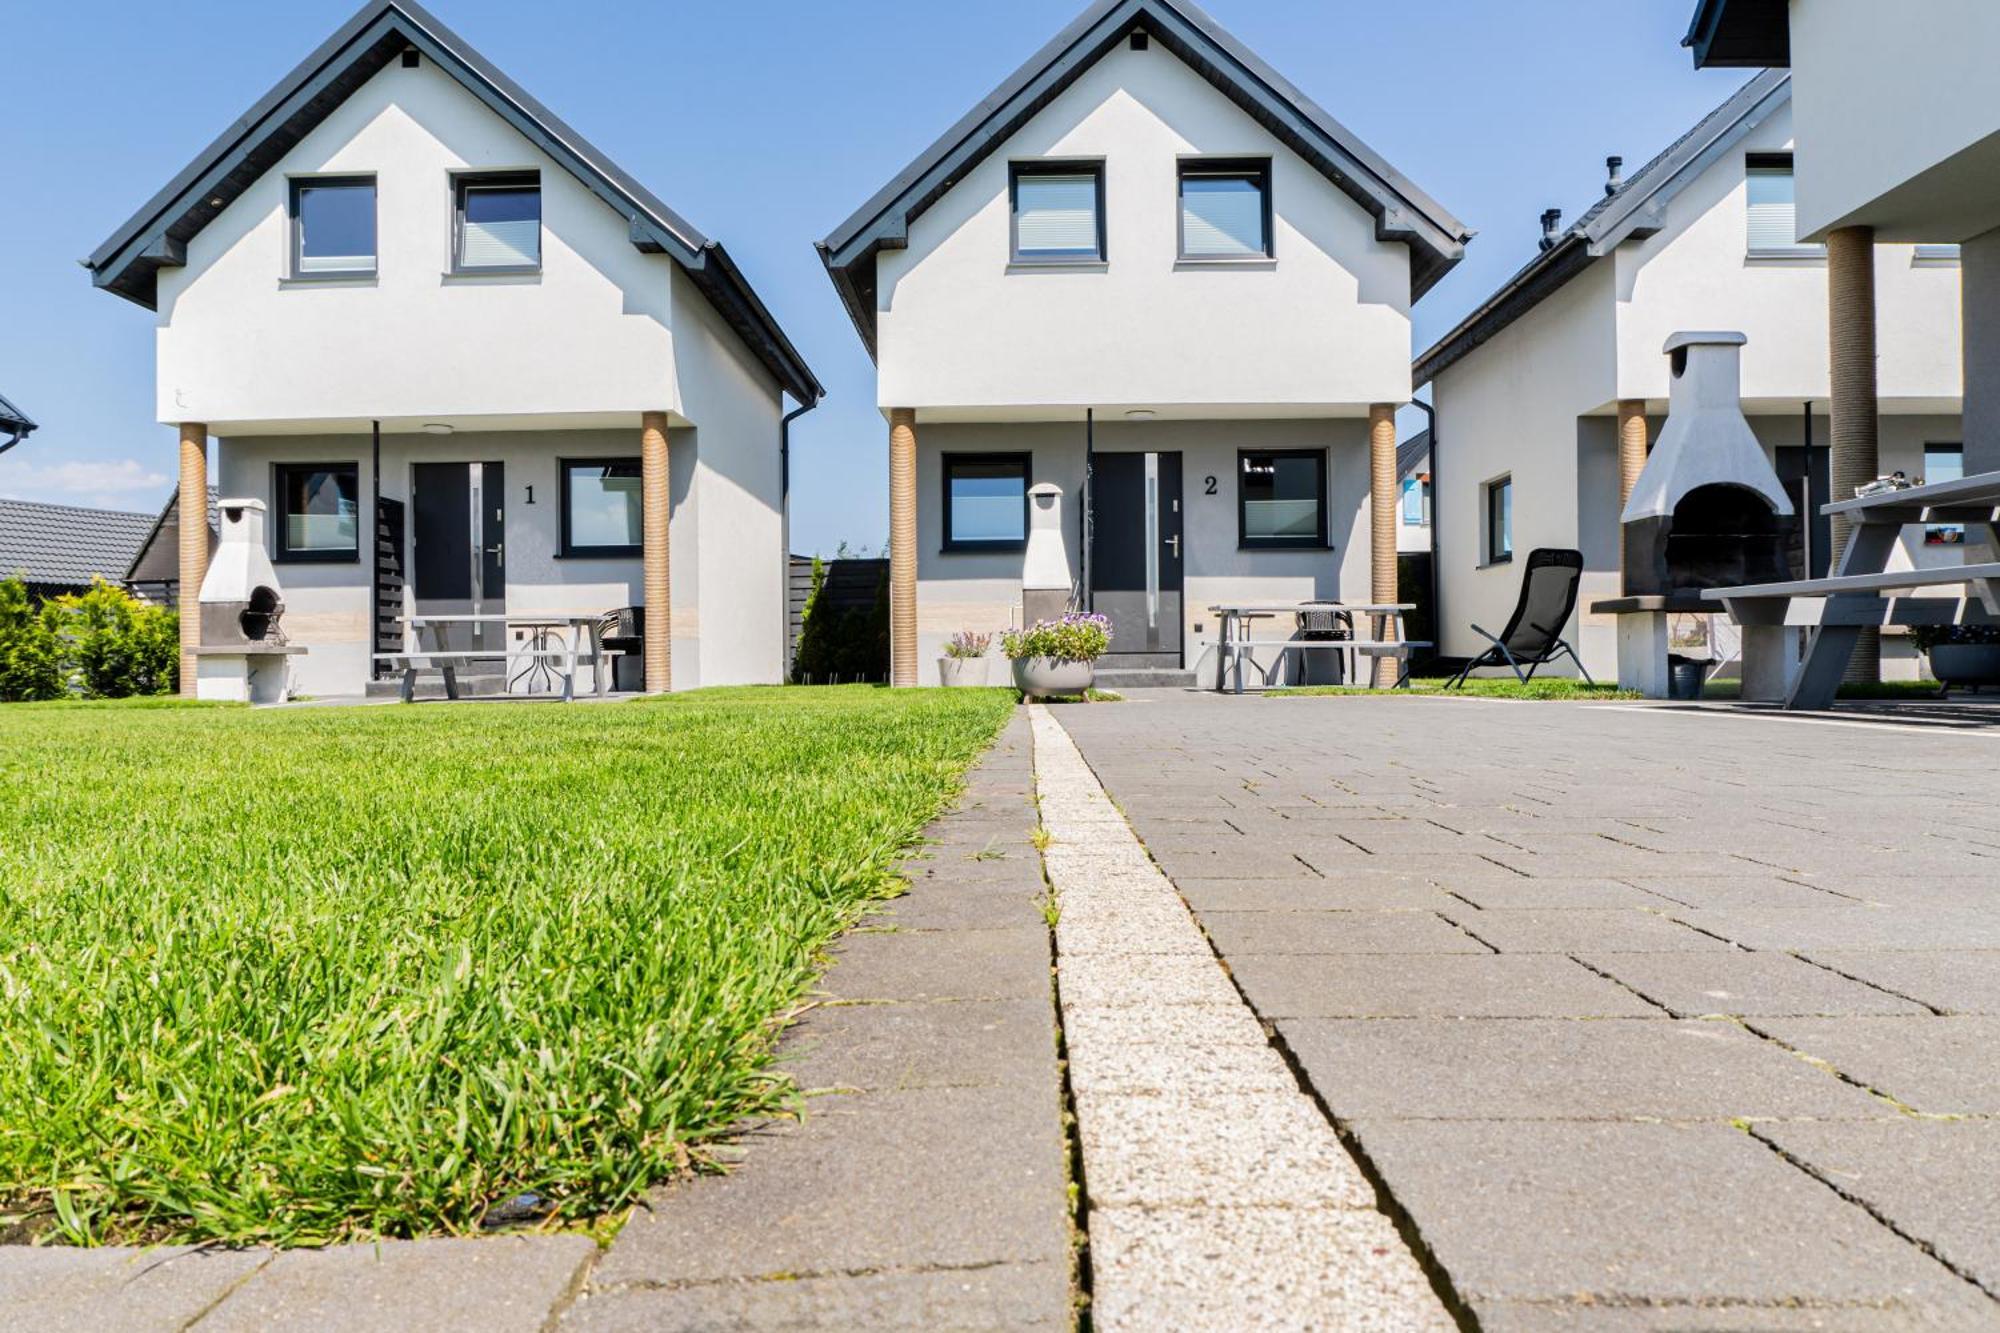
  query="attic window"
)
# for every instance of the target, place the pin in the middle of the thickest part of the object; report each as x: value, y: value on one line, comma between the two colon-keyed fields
x: 1225, y: 209
x: 333, y: 227
x: 498, y: 223
x: 1773, y: 209
x: 1058, y: 212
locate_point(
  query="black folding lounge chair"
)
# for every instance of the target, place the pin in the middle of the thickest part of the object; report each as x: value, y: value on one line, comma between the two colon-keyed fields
x: 1533, y: 636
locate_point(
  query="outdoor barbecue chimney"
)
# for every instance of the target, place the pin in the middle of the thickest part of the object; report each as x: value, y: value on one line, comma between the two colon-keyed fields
x: 242, y: 657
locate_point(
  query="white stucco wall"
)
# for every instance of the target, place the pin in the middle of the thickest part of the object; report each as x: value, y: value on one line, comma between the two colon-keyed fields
x: 1324, y: 326
x: 981, y: 591
x: 1899, y: 116
x: 241, y: 347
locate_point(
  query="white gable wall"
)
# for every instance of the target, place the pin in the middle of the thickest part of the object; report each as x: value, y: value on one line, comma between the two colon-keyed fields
x: 1324, y: 327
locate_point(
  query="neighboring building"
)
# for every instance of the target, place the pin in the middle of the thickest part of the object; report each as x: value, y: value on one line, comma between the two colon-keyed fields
x: 155, y: 572
x: 15, y: 423
x: 397, y: 235
x: 1150, y: 273
x: 1413, y: 495
x: 1535, y: 390
x: 57, y: 549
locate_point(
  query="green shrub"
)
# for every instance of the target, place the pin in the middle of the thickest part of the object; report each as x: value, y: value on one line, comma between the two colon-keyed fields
x: 1927, y: 637
x: 113, y: 645
x: 30, y: 654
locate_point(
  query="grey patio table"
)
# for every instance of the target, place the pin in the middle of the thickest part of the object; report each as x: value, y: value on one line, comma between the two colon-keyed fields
x: 559, y: 638
x: 1235, y: 642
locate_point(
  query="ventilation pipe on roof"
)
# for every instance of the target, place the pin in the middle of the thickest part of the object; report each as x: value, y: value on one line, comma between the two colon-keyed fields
x: 1614, y: 171
x: 1551, y: 225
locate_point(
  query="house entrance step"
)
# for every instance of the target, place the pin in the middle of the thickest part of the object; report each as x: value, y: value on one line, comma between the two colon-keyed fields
x: 1144, y: 678
x: 430, y: 685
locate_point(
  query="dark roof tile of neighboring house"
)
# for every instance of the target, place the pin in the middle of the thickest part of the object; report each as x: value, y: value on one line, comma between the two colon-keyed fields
x: 1411, y: 453
x: 1637, y: 209
x: 165, y: 564
x: 1402, y: 211
x: 62, y: 544
x: 157, y: 235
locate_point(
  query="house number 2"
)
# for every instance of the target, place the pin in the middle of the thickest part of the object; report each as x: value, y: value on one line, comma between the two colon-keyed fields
x: 1208, y: 486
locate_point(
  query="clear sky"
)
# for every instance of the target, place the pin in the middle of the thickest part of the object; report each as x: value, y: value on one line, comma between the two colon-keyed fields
x: 765, y: 123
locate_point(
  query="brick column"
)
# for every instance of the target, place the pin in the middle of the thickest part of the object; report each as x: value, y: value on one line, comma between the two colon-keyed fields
x: 1631, y: 447
x: 1382, y: 521
x: 193, y: 511
x: 655, y: 491
x: 1850, y: 256
x: 902, y: 546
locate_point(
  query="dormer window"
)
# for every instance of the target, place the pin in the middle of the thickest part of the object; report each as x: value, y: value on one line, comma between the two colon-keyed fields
x: 497, y: 225
x: 1225, y: 209
x: 333, y: 227
x: 1058, y: 212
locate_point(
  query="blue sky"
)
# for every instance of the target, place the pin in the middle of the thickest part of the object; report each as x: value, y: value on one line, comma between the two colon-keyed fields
x: 765, y: 122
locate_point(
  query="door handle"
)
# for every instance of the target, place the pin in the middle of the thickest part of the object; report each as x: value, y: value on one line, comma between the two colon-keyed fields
x: 1175, y: 542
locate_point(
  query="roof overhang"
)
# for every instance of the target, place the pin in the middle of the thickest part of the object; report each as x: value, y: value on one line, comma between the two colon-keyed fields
x: 1402, y: 212
x: 157, y: 236
x: 15, y: 424
x: 1745, y: 34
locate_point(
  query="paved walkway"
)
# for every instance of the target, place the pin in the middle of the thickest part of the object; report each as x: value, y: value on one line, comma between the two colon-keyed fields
x: 1644, y: 1019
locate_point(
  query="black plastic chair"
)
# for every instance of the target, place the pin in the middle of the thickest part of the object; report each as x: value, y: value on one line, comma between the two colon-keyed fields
x: 1533, y: 637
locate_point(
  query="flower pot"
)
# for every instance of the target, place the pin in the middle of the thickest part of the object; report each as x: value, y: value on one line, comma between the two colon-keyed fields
x: 1971, y: 664
x: 960, y: 672
x: 1041, y: 676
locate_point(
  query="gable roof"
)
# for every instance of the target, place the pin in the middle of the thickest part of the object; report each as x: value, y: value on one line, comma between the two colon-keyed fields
x: 1637, y: 209
x: 1402, y: 211
x: 18, y: 425
x: 67, y: 546
x: 157, y: 235
x: 1412, y: 453
x: 153, y: 560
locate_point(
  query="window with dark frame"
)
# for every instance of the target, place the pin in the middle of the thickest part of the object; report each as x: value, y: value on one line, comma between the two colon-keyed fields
x: 1225, y: 209
x: 319, y: 512
x: 1281, y: 498
x: 603, y: 508
x: 1058, y: 212
x: 986, y: 502
x: 1500, y: 521
x: 497, y: 222
x: 333, y: 227
x: 1417, y: 502
x: 1944, y: 462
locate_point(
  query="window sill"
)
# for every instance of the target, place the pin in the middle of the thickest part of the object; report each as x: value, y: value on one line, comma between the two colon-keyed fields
x: 329, y: 280
x: 495, y: 277
x: 1249, y: 263
x: 1497, y: 563
x: 1242, y: 545
x: 1805, y: 255
x: 1935, y: 256
x: 1058, y: 266
x: 604, y: 553
x: 982, y: 548
x: 315, y: 558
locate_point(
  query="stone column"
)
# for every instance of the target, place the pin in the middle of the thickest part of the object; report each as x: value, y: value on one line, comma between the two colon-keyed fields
x: 193, y: 511
x: 1631, y: 447
x: 656, y: 492
x: 1382, y: 522
x: 1850, y: 254
x: 902, y: 546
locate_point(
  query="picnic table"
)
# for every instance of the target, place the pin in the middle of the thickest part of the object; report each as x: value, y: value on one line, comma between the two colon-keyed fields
x: 1238, y: 639
x: 1853, y: 598
x: 555, y: 646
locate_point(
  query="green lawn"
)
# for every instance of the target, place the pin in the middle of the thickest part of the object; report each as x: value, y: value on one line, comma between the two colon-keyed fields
x: 310, y: 975
x: 1479, y: 687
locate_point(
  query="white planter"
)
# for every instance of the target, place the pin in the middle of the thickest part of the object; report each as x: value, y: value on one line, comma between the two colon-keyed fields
x: 961, y: 672
x: 1040, y: 676
x: 1972, y: 664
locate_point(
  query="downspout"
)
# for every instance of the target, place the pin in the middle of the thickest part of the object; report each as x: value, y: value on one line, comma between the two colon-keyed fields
x: 785, y: 515
x: 374, y: 547
x: 1088, y: 597
x: 1437, y: 532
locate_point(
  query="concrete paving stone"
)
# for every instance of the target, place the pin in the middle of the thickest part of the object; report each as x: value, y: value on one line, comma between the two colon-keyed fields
x: 944, y: 908
x: 52, y: 1289
x: 1229, y: 862
x: 1959, y: 981
x: 870, y: 1181
x: 1209, y: 1147
x: 964, y: 874
x: 1579, y: 930
x: 1004, y: 1296
x: 1344, y: 892
x: 1859, y: 927
x: 1939, y: 1066
x: 1734, y: 891
x: 1328, y: 933
x: 1627, y: 864
x: 1616, y: 1213
x: 1257, y: 1268
x: 1730, y: 981
x: 1501, y: 892
x: 1940, y: 1314
x: 500, y: 1283
x: 1442, y: 986
x: 1146, y: 928
x: 968, y: 1043
x: 1946, y: 891
x: 1539, y: 1069
x: 1225, y: 1020
x: 1011, y: 964
x: 1151, y: 981
x: 1166, y: 1068
x: 1915, y: 1173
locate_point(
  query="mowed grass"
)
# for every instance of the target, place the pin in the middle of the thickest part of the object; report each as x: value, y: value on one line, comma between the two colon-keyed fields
x: 307, y: 976
x: 1478, y: 687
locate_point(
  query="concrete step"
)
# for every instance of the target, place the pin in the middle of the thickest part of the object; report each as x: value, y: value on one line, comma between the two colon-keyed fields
x: 430, y: 685
x: 1143, y: 678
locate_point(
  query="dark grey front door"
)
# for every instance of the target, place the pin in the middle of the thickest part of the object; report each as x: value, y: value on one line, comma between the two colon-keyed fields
x: 459, y: 518
x: 1135, y: 551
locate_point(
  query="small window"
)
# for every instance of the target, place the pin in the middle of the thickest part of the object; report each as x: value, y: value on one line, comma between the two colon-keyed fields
x: 1774, y: 209
x: 1944, y: 462
x: 498, y: 223
x: 1281, y: 499
x: 985, y: 502
x: 319, y: 508
x: 1058, y: 212
x: 1500, y: 521
x: 1416, y: 502
x: 1225, y: 210
x: 603, y: 507
x: 333, y: 227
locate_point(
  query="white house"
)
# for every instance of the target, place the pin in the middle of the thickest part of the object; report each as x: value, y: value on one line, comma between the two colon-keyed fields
x: 1536, y: 389
x: 452, y: 347
x: 1150, y: 282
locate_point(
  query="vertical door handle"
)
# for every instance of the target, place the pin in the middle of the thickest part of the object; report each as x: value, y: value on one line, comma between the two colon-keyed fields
x: 1175, y: 542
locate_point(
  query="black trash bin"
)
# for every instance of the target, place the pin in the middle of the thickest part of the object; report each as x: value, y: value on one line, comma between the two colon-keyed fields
x: 1687, y: 676
x: 1328, y: 624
